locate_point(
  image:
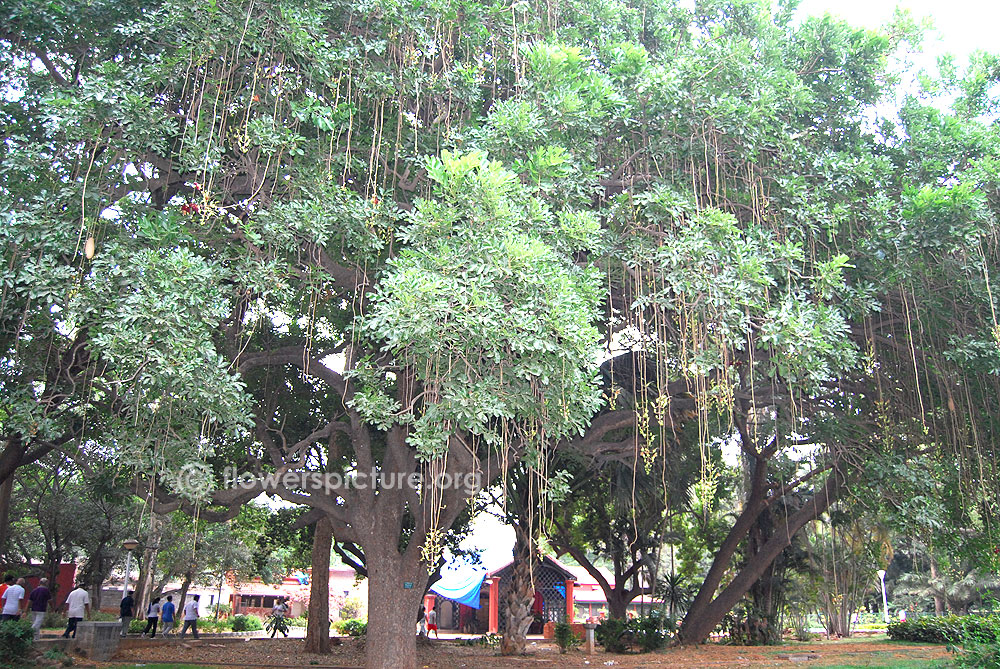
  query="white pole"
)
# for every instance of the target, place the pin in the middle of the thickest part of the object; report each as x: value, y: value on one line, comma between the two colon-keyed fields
x: 885, y: 601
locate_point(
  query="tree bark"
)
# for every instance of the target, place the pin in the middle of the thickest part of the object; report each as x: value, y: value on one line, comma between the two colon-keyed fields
x: 521, y: 595
x: 938, y: 600
x: 391, y: 641
x: 188, y: 577
x: 147, y: 575
x: 706, y: 613
x: 6, y: 488
x: 318, y: 625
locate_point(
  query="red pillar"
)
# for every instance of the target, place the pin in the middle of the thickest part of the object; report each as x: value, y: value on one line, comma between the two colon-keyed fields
x: 569, y: 600
x: 429, y: 599
x: 494, y: 605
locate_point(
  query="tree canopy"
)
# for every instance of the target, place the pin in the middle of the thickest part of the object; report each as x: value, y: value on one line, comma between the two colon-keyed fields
x: 400, y: 237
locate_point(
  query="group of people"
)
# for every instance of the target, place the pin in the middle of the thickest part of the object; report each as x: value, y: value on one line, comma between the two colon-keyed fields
x: 160, y: 613
x: 13, y: 601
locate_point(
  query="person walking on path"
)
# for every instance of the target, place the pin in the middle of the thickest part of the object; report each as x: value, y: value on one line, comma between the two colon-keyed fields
x: 39, y: 599
x: 11, y: 598
x: 167, y: 615
x: 278, y: 611
x: 152, y: 617
x: 125, y: 609
x: 191, y: 617
x: 77, y: 605
x: 432, y: 618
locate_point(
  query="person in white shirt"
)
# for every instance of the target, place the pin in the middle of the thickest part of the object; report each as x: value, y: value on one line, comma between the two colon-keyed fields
x: 77, y: 604
x: 152, y: 617
x: 12, y: 597
x: 191, y: 617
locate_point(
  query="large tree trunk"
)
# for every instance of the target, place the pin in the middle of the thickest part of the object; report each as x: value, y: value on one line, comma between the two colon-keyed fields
x: 705, y: 613
x: 520, y: 596
x: 6, y: 488
x: 395, y: 592
x: 318, y: 626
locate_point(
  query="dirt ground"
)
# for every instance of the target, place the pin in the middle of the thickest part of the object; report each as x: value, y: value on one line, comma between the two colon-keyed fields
x: 451, y: 655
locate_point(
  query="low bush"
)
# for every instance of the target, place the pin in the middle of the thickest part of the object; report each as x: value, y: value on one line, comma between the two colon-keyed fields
x: 246, y: 623
x: 301, y: 621
x: 490, y: 640
x: 642, y: 634
x: 54, y: 620
x: 973, y: 654
x: 351, y: 627
x: 212, y: 625
x: 16, y: 637
x: 948, y: 629
x: 565, y: 637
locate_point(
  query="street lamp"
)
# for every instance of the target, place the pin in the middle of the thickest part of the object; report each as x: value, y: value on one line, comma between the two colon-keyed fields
x: 129, y: 545
x: 885, y: 601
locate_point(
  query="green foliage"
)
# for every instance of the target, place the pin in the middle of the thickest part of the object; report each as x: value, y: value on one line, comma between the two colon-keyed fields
x: 491, y: 641
x: 245, y: 623
x: 976, y: 654
x: 16, y: 638
x: 351, y: 626
x: 640, y: 634
x: 947, y: 629
x: 565, y: 637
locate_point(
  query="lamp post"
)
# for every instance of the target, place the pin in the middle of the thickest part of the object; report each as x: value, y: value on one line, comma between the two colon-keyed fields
x: 885, y: 601
x: 129, y: 545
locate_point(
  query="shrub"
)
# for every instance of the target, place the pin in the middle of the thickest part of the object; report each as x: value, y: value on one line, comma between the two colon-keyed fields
x: 137, y: 625
x: 301, y: 621
x: 645, y: 633
x: 223, y: 609
x: 975, y: 654
x: 246, y: 623
x: 352, y: 607
x: 352, y: 627
x: 213, y: 625
x: 490, y: 640
x: 54, y: 620
x: 948, y: 629
x: 565, y: 637
x: 613, y: 634
x: 16, y: 637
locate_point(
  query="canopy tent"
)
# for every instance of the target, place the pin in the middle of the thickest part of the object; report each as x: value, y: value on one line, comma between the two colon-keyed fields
x: 461, y: 585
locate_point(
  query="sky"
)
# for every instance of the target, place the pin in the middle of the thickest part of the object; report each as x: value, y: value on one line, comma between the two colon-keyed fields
x: 962, y: 26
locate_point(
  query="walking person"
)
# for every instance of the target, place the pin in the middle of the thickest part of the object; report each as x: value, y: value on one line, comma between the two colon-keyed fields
x: 191, y: 617
x: 39, y: 599
x: 125, y: 610
x: 11, y: 598
x: 77, y: 605
x: 432, y: 618
x: 278, y: 612
x: 167, y: 615
x: 152, y: 617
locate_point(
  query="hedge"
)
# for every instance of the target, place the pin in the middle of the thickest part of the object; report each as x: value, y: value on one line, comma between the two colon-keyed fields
x: 947, y: 629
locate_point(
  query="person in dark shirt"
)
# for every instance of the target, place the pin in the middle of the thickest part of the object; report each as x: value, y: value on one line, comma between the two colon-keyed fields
x: 39, y: 599
x: 126, y: 611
